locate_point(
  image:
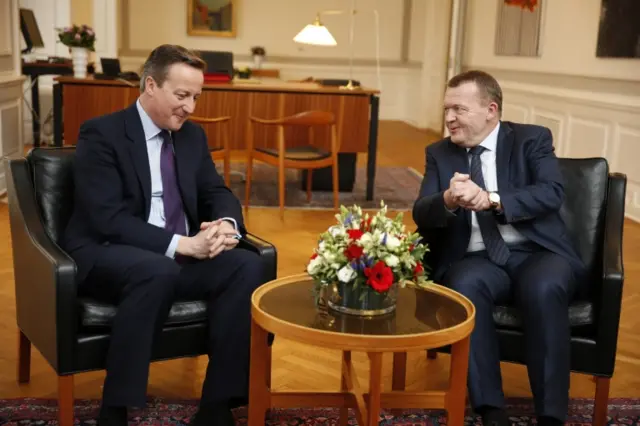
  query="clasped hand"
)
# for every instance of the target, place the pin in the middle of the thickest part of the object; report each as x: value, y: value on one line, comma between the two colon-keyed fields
x: 213, y: 238
x: 466, y: 193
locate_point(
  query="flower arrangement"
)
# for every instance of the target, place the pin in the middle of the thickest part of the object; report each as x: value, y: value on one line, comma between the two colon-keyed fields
x: 78, y: 36
x: 372, y: 253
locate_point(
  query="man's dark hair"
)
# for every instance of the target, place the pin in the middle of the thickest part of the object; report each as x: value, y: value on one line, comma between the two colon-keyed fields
x: 162, y: 57
x: 487, y: 85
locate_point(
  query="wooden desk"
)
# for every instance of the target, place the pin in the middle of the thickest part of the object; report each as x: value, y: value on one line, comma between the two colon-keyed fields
x: 76, y: 100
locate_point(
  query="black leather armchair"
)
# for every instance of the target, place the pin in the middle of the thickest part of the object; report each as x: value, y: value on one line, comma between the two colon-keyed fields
x: 594, y: 213
x: 71, y: 332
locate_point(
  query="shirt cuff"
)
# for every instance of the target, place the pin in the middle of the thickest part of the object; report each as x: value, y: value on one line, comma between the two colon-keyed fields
x: 235, y: 224
x: 173, y: 245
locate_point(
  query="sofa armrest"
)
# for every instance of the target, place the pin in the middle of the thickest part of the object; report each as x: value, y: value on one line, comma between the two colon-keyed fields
x: 612, y: 273
x: 267, y: 252
x: 46, y: 291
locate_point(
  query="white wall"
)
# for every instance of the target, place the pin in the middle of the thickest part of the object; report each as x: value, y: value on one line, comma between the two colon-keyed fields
x: 10, y: 84
x: 592, y: 105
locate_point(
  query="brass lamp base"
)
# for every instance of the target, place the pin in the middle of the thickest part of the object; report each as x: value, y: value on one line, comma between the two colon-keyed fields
x: 350, y: 86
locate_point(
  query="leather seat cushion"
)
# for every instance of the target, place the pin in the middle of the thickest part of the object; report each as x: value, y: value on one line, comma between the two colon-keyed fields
x: 581, y: 313
x: 96, y: 314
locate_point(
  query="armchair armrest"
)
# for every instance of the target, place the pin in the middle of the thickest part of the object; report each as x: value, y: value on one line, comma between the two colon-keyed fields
x: 612, y: 273
x: 267, y: 252
x: 44, y: 274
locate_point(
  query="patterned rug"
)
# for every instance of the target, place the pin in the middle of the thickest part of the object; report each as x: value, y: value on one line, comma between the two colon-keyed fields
x: 32, y: 412
x: 397, y: 186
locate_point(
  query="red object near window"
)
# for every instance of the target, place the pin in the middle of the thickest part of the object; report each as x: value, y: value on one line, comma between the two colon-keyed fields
x: 525, y: 4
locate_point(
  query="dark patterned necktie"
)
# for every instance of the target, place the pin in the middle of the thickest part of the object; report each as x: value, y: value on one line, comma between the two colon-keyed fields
x: 173, y: 209
x: 494, y: 243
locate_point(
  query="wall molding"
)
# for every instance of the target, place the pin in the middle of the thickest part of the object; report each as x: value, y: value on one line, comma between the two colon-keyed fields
x: 602, y: 84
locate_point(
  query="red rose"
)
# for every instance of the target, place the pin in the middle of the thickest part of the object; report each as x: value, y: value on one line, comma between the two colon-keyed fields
x: 418, y: 270
x: 354, y: 251
x: 355, y: 234
x: 380, y: 276
x: 314, y: 255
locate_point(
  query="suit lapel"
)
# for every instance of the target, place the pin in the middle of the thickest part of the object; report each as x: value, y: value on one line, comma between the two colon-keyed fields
x: 503, y: 155
x: 184, y: 168
x: 139, y: 154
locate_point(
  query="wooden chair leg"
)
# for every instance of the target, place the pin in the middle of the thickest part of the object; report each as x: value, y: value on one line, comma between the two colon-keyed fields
x: 309, y: 180
x: 24, y: 358
x: 601, y: 405
x: 247, y: 187
x: 281, y: 187
x: 336, y: 187
x: 65, y: 400
x: 431, y: 354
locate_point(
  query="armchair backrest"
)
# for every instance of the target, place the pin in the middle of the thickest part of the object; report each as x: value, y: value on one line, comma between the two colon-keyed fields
x: 586, y: 182
x: 51, y: 171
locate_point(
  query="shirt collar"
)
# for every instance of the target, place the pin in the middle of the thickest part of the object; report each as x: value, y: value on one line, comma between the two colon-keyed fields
x: 491, y: 141
x: 149, y: 127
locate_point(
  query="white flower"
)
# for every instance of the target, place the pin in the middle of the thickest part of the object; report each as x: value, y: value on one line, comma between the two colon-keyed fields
x: 391, y: 260
x: 321, y: 246
x: 314, y: 265
x: 329, y: 256
x: 392, y: 242
x: 337, y: 231
x: 346, y: 274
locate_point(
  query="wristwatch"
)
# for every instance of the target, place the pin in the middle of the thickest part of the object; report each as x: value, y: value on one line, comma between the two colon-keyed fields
x: 494, y: 200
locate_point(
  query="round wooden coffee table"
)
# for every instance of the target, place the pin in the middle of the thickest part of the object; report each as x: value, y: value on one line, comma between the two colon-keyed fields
x: 424, y: 318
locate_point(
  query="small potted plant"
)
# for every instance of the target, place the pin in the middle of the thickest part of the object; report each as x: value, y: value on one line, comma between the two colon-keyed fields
x: 258, y: 54
x: 80, y: 40
x: 360, y: 262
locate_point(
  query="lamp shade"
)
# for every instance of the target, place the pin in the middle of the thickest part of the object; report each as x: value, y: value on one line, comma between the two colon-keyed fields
x: 316, y: 34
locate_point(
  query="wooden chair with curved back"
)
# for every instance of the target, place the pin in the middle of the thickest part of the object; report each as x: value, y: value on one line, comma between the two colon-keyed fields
x: 219, y: 152
x: 300, y: 157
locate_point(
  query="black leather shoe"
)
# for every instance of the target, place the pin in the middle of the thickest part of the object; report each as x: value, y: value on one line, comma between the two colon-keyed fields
x: 549, y: 421
x: 213, y: 414
x: 112, y: 416
x: 492, y: 416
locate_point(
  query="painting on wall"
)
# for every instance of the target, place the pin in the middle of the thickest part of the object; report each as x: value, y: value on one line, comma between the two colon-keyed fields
x: 619, y: 32
x: 212, y: 18
x: 518, y: 28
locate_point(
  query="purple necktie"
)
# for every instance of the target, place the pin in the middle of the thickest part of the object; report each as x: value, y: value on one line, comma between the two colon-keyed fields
x: 173, y: 210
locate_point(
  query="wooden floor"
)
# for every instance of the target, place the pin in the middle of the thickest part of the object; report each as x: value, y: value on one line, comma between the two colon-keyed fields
x: 297, y: 366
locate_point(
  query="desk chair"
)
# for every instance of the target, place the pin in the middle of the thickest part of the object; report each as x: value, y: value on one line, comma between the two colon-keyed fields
x: 304, y: 157
x: 219, y: 152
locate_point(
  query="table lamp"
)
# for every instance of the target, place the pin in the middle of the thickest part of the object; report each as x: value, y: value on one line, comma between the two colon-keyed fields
x: 317, y: 34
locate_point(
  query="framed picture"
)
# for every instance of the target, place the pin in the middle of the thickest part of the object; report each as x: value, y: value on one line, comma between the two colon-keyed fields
x: 216, y: 18
x: 619, y: 32
x: 518, y: 29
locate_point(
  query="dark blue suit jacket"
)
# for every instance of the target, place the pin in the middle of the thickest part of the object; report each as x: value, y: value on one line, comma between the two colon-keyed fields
x: 113, y: 187
x: 531, y: 191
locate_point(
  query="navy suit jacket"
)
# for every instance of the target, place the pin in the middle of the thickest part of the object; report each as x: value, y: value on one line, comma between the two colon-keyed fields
x: 113, y: 188
x: 530, y: 186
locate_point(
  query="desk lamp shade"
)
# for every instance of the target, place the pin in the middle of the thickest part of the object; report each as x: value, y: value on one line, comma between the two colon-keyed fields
x: 315, y: 34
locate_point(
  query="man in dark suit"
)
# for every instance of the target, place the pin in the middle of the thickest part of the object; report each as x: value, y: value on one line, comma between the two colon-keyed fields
x: 153, y: 222
x: 489, y: 209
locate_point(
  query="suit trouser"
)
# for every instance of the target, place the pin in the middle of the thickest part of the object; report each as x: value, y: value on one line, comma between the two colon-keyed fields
x: 145, y: 284
x: 541, y: 284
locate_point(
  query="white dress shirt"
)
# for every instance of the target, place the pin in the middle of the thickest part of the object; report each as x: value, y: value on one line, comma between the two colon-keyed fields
x: 154, y: 148
x: 488, y: 160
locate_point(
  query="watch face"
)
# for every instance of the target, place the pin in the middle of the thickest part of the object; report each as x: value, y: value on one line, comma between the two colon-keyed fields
x: 494, y: 198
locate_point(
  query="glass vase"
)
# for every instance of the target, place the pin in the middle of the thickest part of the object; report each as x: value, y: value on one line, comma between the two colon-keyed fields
x: 361, y: 300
